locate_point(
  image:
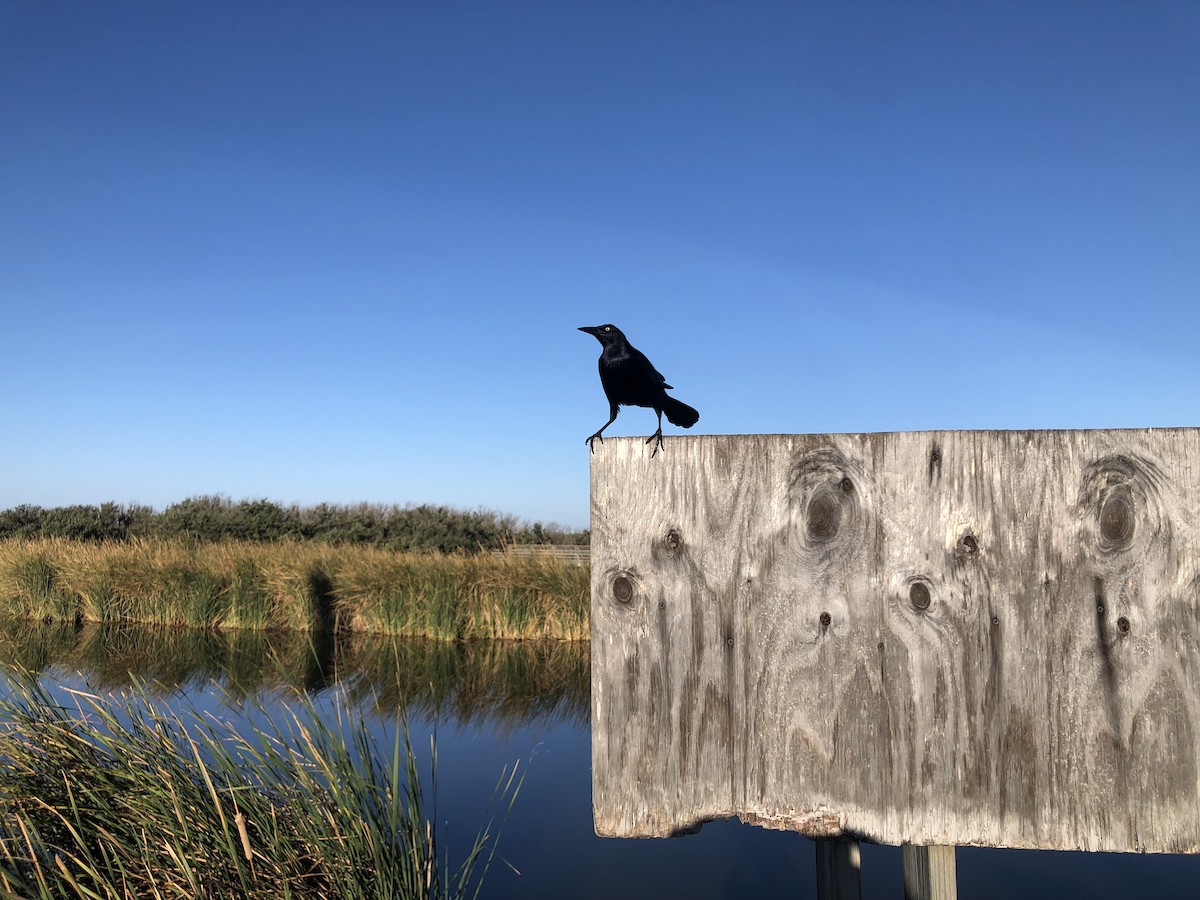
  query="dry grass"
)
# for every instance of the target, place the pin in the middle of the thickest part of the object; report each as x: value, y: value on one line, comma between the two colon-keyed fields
x: 295, y: 586
x: 466, y: 597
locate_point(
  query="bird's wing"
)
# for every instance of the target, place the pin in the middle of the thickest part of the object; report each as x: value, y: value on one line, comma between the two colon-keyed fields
x: 657, y: 374
x: 639, y: 358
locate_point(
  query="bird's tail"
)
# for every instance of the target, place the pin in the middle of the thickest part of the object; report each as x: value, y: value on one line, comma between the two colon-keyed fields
x: 680, y: 414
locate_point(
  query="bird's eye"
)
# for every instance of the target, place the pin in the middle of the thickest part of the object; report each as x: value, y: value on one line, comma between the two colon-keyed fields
x: 607, y: 329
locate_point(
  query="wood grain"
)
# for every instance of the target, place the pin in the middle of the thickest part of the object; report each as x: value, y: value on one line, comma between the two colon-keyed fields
x: 930, y: 873
x: 929, y: 638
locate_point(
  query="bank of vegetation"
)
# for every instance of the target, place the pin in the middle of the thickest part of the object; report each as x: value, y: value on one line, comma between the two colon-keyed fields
x: 117, y: 795
x: 410, y: 529
x: 297, y: 585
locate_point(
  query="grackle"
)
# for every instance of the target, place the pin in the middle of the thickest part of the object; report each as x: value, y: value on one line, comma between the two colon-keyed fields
x: 629, y: 379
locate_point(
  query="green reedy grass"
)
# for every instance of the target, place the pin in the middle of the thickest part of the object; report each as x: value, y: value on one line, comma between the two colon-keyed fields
x: 116, y: 796
x: 295, y: 586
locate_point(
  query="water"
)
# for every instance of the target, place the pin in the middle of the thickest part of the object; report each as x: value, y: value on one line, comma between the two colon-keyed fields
x: 492, y: 706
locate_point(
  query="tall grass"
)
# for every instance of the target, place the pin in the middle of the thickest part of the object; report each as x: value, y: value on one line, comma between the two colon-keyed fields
x: 115, y: 796
x: 296, y: 586
x: 483, y: 596
x: 30, y: 580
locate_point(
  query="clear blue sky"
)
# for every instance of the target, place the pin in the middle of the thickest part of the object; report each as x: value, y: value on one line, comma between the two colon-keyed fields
x: 338, y: 251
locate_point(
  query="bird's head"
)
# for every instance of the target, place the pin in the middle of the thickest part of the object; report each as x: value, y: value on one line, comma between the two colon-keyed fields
x: 605, y: 334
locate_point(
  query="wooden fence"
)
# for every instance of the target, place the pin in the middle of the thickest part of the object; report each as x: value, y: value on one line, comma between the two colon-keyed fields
x: 575, y: 553
x: 941, y: 638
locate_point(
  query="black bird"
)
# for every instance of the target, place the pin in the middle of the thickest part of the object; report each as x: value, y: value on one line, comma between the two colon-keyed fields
x: 629, y: 380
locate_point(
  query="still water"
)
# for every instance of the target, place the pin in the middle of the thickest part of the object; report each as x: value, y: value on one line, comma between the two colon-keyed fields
x: 492, y: 706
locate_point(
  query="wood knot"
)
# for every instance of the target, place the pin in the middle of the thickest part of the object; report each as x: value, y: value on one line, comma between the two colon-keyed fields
x: 622, y: 589
x: 1117, y: 520
x: 919, y: 596
x: 1123, y: 497
x: 673, y: 541
x: 824, y: 517
x: 827, y: 493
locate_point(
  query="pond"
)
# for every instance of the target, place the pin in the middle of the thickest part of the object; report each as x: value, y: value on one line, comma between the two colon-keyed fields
x: 492, y: 705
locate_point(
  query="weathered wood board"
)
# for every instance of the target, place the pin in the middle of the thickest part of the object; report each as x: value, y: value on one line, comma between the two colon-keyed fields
x: 983, y: 638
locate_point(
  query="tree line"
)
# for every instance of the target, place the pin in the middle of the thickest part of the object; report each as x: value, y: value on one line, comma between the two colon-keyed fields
x: 215, y: 518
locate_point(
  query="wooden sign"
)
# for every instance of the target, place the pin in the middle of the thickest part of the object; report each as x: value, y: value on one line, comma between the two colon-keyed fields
x: 943, y: 638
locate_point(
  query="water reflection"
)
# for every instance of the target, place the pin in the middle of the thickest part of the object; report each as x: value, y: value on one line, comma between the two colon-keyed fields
x: 530, y: 702
x: 498, y: 685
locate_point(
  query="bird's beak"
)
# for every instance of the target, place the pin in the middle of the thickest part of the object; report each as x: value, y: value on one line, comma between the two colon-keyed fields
x: 590, y: 329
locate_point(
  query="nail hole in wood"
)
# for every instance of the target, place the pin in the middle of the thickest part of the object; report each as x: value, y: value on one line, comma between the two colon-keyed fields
x: 826, y: 619
x: 1123, y: 625
x: 673, y: 540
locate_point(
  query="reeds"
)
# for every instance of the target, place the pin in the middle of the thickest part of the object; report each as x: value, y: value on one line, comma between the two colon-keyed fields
x: 296, y: 586
x: 464, y: 597
x: 116, y: 796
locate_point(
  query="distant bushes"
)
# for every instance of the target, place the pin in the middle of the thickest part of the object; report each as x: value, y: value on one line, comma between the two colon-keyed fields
x: 214, y: 518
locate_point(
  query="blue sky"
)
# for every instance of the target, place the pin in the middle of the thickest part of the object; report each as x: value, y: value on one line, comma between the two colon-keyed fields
x: 338, y: 252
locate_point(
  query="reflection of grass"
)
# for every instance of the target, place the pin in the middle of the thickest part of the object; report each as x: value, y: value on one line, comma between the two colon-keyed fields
x: 297, y: 586
x: 168, y: 657
x: 34, y: 647
x: 499, y: 683
x: 117, y: 796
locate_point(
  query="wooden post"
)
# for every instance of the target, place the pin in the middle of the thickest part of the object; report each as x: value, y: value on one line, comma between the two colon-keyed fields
x: 838, y: 869
x: 987, y: 638
x: 930, y: 873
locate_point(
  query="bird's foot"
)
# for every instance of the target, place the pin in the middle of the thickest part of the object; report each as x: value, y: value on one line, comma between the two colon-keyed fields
x: 589, y: 441
x: 657, y: 435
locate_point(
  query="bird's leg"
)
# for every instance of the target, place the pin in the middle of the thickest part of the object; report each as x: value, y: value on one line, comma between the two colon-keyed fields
x: 657, y: 434
x: 612, y: 416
